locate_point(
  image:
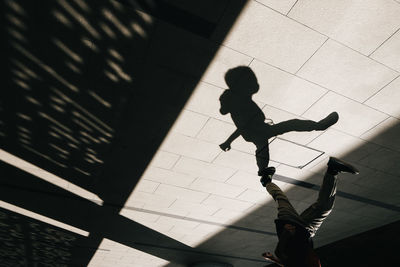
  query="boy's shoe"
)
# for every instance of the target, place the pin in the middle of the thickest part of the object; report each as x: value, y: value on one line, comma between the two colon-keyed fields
x: 328, y: 121
x: 266, y: 175
x: 337, y: 166
x: 267, y: 171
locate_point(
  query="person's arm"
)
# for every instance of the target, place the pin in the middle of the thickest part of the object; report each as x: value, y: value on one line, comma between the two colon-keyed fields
x: 225, y: 146
x: 271, y: 257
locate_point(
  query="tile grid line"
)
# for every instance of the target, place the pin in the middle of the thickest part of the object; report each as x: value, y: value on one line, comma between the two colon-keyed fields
x: 295, y: 74
x: 269, y: 7
x: 373, y: 127
x: 380, y: 90
x: 383, y: 43
x: 203, y: 126
x: 287, y: 14
x: 316, y: 101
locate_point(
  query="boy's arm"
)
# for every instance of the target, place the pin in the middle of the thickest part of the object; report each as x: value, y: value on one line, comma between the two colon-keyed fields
x: 225, y: 146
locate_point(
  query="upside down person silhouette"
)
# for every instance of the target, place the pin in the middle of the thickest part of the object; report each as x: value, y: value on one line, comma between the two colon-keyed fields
x: 250, y: 120
x: 295, y: 232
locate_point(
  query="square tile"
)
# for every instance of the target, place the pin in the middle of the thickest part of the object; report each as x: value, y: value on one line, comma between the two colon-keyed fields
x: 354, y: 118
x: 168, y: 177
x: 164, y: 159
x: 237, y: 160
x: 386, y: 100
x: 190, y: 147
x: 346, y: 72
x: 216, y: 188
x: 203, y: 169
x: 388, y: 53
x: 189, y: 207
x: 216, y: 131
x: 181, y: 193
x: 189, y: 123
x: 146, y: 186
x: 271, y: 37
x: 254, y: 196
x: 246, y: 180
x: 291, y: 154
x: 362, y: 25
x: 227, y: 203
x: 283, y: 90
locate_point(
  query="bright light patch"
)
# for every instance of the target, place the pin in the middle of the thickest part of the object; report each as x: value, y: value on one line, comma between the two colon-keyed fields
x: 42, y: 218
x: 48, y: 177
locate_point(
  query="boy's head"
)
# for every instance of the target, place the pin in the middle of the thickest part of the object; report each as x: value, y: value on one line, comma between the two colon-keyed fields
x: 297, y: 253
x: 242, y: 79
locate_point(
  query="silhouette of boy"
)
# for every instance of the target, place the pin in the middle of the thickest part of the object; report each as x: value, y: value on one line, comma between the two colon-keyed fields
x: 250, y: 120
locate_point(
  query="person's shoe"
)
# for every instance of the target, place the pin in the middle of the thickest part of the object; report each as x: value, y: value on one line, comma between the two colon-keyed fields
x: 328, y: 121
x: 266, y: 175
x: 267, y: 171
x: 337, y: 166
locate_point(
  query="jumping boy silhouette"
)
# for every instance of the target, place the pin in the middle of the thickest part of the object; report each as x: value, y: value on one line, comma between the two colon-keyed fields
x: 250, y: 120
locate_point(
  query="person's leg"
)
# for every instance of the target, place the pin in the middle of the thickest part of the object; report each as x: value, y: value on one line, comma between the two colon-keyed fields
x: 285, y: 208
x: 262, y: 157
x: 317, y: 212
x: 303, y: 125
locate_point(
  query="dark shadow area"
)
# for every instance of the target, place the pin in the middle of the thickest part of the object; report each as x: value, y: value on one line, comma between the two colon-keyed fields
x: 372, y: 248
x: 251, y: 121
x: 92, y: 88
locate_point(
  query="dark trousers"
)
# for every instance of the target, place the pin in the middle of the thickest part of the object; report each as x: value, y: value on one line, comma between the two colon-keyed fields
x: 313, y: 216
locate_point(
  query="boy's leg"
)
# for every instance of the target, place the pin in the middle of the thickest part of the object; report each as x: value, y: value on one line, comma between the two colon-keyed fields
x: 285, y: 209
x: 262, y: 157
x: 304, y: 125
x: 317, y: 212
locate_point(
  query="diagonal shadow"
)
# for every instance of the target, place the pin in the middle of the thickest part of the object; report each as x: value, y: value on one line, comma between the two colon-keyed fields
x: 93, y: 88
